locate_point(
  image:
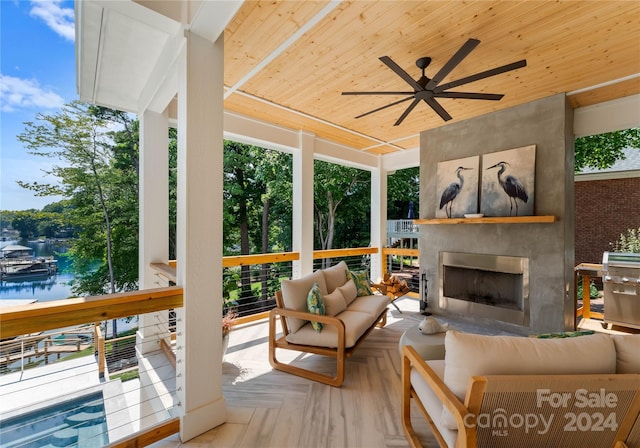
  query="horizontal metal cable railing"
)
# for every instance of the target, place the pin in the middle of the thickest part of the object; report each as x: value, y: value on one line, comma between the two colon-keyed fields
x: 251, y: 281
x: 63, y: 383
x: 357, y: 259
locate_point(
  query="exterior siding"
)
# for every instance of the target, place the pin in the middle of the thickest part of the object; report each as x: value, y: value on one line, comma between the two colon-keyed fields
x: 604, y: 210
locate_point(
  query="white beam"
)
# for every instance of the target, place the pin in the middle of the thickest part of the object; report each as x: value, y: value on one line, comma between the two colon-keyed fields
x: 378, y: 225
x: 154, y: 195
x: 162, y: 84
x: 302, y: 226
x: 199, y: 235
x: 212, y: 17
x: 615, y: 115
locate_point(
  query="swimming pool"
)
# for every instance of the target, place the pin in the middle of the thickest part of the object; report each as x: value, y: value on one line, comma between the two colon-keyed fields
x: 80, y: 422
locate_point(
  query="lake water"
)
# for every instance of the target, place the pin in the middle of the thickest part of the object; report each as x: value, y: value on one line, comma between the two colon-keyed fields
x: 42, y: 289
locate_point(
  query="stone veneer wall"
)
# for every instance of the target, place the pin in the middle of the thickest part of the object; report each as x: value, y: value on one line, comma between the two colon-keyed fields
x: 547, y: 123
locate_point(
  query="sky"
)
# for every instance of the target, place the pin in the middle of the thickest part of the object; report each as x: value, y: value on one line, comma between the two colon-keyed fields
x: 37, y: 75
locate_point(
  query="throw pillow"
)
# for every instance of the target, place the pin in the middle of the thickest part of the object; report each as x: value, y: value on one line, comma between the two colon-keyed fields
x: 334, y: 303
x: 361, y: 279
x: 335, y: 276
x: 563, y: 334
x: 315, y: 304
x: 349, y: 292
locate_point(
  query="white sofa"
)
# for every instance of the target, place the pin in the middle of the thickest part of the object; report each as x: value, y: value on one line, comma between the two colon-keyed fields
x: 349, y: 317
x: 487, y: 387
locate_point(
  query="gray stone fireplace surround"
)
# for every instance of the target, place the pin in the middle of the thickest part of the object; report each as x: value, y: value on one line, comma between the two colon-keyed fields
x: 548, y: 247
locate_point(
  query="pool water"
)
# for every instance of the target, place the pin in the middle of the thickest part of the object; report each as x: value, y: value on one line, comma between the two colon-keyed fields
x: 80, y: 422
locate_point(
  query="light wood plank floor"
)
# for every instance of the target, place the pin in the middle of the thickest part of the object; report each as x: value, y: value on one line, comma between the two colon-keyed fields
x: 267, y: 408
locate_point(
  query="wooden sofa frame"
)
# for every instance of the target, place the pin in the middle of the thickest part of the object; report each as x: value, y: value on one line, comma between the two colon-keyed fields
x: 628, y: 422
x: 340, y: 353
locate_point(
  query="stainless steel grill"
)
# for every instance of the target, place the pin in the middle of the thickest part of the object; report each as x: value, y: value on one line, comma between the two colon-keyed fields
x: 621, y: 279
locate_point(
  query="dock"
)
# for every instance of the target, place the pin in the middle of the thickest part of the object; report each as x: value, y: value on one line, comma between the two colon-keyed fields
x: 40, y: 345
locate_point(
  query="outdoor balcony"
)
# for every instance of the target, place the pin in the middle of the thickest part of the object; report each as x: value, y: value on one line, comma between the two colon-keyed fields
x: 264, y: 407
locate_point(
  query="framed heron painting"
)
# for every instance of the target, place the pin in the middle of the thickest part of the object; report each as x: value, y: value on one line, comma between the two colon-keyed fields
x: 457, y: 187
x: 508, y: 181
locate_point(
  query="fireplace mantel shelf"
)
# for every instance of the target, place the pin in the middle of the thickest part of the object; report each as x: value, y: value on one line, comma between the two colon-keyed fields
x: 490, y: 220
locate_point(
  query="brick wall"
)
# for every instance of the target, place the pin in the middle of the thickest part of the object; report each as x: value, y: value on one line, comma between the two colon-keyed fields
x: 604, y: 210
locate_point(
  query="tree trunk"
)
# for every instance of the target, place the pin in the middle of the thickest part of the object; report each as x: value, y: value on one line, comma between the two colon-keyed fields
x: 107, y: 222
x: 265, y: 247
x: 245, y: 273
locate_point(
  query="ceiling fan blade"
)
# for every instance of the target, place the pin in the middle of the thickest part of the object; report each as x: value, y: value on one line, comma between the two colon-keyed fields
x: 401, y: 73
x: 438, y: 108
x: 384, y: 107
x: 407, y: 112
x: 469, y: 95
x: 482, y: 75
x: 378, y: 93
x: 452, y: 63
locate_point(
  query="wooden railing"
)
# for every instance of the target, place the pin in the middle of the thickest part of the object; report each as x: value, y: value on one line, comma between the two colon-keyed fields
x: 38, y: 317
x: 26, y: 319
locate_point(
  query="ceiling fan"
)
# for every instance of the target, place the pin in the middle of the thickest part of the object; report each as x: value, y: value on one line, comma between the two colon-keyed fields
x: 429, y: 89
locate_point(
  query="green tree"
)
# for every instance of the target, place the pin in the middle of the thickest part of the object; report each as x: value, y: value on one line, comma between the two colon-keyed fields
x: 257, y: 204
x: 98, y: 174
x: 403, y: 187
x: 26, y: 223
x: 629, y: 241
x: 342, y: 198
x: 602, y: 150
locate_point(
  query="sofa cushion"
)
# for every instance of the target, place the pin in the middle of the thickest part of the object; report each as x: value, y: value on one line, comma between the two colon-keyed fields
x: 430, y: 401
x: 294, y: 296
x: 349, y: 292
x: 361, y: 279
x: 627, y: 352
x: 334, y: 303
x: 315, y: 305
x: 355, y: 325
x: 373, y: 305
x: 335, y: 276
x: 468, y: 355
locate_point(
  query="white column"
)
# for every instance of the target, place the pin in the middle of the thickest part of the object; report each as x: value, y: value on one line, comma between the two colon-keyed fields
x: 302, y: 227
x: 378, y: 217
x: 199, y: 236
x: 154, y: 218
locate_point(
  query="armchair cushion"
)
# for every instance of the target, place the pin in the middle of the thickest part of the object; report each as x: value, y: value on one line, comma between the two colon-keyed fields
x: 628, y: 353
x: 431, y: 402
x: 335, y: 276
x: 334, y: 303
x: 315, y: 304
x: 294, y: 296
x: 468, y: 355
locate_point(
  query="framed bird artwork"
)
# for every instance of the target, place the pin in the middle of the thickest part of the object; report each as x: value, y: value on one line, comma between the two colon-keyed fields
x: 457, y: 187
x: 508, y: 181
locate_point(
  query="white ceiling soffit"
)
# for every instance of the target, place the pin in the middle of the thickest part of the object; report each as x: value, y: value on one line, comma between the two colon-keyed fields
x: 126, y: 52
x: 213, y: 16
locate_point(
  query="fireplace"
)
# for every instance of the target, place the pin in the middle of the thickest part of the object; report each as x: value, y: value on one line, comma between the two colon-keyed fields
x: 485, y: 286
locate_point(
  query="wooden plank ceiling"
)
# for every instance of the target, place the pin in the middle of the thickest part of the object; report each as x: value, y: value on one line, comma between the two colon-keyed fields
x: 278, y: 72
